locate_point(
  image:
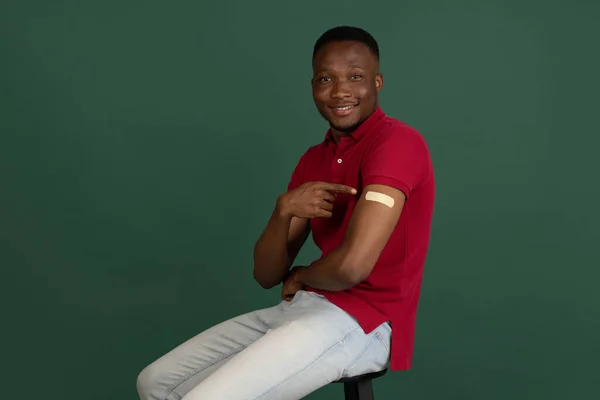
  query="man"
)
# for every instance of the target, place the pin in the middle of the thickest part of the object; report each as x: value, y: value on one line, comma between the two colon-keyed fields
x: 366, y: 193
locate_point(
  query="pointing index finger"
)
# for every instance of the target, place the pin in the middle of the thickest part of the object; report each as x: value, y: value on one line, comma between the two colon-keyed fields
x: 339, y: 188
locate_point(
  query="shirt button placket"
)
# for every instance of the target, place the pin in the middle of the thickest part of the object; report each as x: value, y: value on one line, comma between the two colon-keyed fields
x: 336, y: 168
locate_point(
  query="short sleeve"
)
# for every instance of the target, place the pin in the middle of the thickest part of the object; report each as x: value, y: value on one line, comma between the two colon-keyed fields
x: 398, y: 157
x: 297, y: 177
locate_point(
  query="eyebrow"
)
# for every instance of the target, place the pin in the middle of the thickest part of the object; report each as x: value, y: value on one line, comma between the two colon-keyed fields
x: 349, y: 65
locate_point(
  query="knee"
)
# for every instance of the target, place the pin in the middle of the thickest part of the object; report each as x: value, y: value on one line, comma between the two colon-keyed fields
x: 148, y: 383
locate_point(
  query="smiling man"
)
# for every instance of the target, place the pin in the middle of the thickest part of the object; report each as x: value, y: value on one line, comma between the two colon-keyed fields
x: 367, y: 194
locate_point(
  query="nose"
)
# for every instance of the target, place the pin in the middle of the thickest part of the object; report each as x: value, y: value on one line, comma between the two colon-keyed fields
x: 340, y: 90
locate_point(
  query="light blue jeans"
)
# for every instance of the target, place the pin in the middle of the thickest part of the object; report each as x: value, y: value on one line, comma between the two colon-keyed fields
x: 283, y: 352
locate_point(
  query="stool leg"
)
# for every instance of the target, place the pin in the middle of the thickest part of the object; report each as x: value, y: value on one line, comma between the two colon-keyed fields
x: 362, y: 390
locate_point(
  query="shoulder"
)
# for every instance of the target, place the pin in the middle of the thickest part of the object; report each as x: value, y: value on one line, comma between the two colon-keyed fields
x: 311, y: 152
x: 396, y: 135
x: 397, y: 155
x: 303, y: 165
x: 399, y: 131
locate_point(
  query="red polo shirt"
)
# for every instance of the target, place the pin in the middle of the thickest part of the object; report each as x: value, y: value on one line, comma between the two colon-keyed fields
x: 381, y: 151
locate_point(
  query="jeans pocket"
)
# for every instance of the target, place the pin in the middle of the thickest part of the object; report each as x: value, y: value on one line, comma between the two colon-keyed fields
x: 374, y: 356
x: 384, y: 335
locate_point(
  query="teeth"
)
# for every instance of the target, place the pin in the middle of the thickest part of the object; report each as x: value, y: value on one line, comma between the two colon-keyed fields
x: 344, y: 108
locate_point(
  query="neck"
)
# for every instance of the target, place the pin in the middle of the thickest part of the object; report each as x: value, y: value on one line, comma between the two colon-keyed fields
x: 338, y: 135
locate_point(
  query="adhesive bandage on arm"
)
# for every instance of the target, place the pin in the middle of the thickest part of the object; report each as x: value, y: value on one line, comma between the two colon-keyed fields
x: 380, y: 198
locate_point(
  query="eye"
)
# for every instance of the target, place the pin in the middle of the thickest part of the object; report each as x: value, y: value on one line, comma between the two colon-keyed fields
x: 355, y: 77
x: 324, y: 79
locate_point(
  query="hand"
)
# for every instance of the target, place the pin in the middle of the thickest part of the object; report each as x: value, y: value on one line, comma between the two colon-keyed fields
x: 312, y: 199
x: 291, y: 285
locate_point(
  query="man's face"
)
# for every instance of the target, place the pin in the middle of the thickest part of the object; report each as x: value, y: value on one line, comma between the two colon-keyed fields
x: 345, y: 84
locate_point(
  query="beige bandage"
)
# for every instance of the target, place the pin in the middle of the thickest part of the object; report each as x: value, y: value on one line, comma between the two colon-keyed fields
x: 380, y: 198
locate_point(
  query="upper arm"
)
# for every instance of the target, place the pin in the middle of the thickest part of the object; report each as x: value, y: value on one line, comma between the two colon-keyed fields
x: 299, y: 227
x: 395, y: 165
x: 298, y: 233
x: 370, y: 227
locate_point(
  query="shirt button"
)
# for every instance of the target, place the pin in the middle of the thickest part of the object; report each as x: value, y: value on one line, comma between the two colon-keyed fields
x: 339, y: 160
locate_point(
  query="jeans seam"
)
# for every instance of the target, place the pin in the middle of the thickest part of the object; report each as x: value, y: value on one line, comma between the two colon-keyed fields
x: 383, y: 343
x: 360, y: 355
x: 310, y: 364
x: 174, y: 386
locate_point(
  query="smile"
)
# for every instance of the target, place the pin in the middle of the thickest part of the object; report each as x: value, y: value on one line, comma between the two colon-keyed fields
x: 343, y: 110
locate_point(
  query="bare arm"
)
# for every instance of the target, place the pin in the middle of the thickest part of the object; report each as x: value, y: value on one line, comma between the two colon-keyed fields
x: 278, y: 247
x: 370, y: 227
x: 288, y: 228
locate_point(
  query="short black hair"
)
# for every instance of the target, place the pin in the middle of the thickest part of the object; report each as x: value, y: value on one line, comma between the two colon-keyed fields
x: 343, y: 33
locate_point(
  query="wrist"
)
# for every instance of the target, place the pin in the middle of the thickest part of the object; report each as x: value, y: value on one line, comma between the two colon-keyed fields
x: 298, y: 274
x: 282, y: 208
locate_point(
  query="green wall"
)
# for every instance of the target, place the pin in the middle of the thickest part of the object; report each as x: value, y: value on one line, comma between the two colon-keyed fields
x: 130, y: 203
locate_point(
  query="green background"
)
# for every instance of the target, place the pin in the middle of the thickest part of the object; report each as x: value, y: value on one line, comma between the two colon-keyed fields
x: 143, y: 145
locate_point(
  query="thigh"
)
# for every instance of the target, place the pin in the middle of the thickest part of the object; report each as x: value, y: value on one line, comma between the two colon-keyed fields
x: 177, y: 372
x: 312, y: 344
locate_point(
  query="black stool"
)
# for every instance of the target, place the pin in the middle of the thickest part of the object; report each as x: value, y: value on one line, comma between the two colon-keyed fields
x: 360, y: 387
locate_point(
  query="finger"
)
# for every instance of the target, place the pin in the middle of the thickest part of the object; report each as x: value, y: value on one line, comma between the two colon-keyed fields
x: 325, y: 205
x: 288, y: 297
x: 335, y: 187
x: 327, y: 195
x: 323, y: 213
x: 318, y: 210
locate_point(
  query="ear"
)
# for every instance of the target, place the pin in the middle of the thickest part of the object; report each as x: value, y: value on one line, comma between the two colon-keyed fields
x: 378, y: 81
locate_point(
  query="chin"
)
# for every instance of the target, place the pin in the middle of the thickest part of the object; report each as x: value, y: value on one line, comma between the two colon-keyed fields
x: 342, y: 127
x: 345, y: 126
x: 347, y: 123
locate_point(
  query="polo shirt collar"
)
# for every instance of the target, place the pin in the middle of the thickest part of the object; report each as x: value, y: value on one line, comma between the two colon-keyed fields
x: 363, y: 129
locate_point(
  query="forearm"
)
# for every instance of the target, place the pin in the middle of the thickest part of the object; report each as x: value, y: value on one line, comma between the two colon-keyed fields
x: 333, y: 272
x: 271, y: 260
